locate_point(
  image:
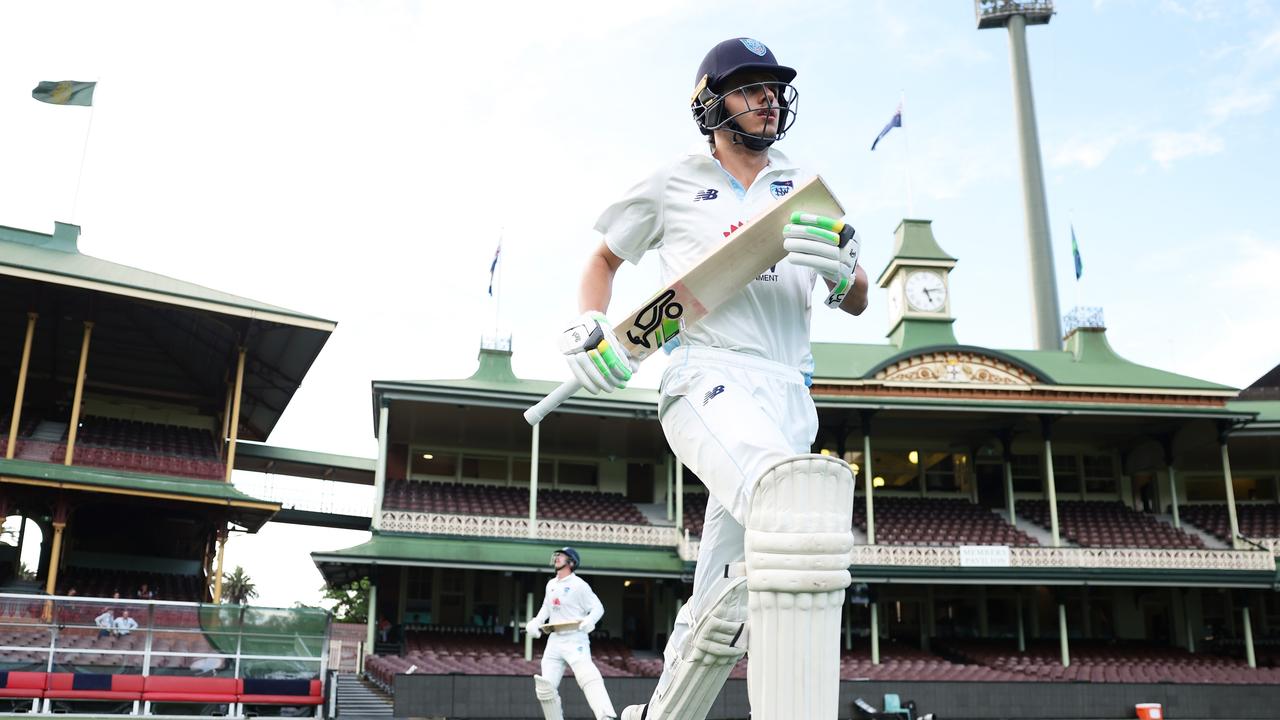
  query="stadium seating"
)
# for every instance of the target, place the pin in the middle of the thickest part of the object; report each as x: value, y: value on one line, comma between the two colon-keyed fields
x: 97, y: 582
x: 1103, y: 523
x: 464, y: 499
x: 1112, y: 662
x: 937, y: 521
x: 695, y: 512
x: 1255, y: 520
x: 143, y: 447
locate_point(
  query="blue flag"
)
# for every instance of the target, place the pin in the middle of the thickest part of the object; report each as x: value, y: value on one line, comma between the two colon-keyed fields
x: 1075, y: 252
x: 893, y: 123
x: 493, y: 266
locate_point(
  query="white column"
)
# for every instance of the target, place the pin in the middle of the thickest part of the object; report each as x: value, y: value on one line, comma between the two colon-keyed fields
x: 875, y: 632
x: 671, y: 501
x: 1062, y: 635
x: 533, y: 481
x: 1008, y: 491
x: 1050, y: 488
x: 1173, y: 495
x: 1248, y: 636
x: 372, y: 621
x: 528, y: 615
x: 380, y: 470
x: 679, y: 495
x: 1022, y: 633
x: 866, y: 466
x: 1231, y: 492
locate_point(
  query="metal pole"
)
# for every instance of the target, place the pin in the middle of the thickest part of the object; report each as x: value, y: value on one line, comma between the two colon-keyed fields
x: 1231, y: 492
x: 371, y: 619
x: 1044, y: 288
x: 1186, y: 617
x: 235, y: 415
x: 671, y: 504
x: 380, y: 470
x: 1173, y: 495
x: 1062, y: 635
x: 533, y: 480
x: 79, y: 396
x: 15, y: 420
x: 54, y: 557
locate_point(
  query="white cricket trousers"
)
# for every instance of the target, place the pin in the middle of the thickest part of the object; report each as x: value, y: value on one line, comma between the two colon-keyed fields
x: 569, y: 648
x: 729, y: 417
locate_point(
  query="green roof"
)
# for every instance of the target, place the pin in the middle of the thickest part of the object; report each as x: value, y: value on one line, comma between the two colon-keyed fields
x: 497, y: 554
x: 57, y: 259
x: 1088, y: 361
x: 1267, y: 422
x: 249, y: 511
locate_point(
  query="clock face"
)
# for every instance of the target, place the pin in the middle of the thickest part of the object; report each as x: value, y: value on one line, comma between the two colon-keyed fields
x: 926, y: 291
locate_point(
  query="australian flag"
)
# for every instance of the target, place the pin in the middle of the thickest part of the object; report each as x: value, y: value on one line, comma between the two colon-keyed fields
x: 1075, y: 252
x: 893, y: 123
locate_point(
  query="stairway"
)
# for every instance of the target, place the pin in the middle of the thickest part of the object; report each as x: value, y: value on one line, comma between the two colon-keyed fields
x: 358, y: 699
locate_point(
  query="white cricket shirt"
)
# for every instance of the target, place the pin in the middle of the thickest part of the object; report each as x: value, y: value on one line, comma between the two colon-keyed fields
x: 689, y: 208
x: 569, y: 598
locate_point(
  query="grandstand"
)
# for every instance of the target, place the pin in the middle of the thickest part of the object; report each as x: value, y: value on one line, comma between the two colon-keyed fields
x: 1025, y: 517
x: 128, y: 395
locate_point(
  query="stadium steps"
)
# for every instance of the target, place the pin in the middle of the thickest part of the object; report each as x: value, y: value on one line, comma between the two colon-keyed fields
x: 1040, y: 534
x: 359, y: 699
x: 655, y: 513
x: 1210, y: 540
x: 50, y: 431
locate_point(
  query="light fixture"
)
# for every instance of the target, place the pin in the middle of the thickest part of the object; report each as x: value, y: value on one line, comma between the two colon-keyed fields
x: 854, y: 467
x: 626, y: 583
x: 914, y: 457
x: 877, y: 481
x: 825, y: 452
x: 427, y: 456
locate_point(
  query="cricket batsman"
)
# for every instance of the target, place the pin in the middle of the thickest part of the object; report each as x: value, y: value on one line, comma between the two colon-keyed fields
x: 570, y: 605
x: 734, y: 401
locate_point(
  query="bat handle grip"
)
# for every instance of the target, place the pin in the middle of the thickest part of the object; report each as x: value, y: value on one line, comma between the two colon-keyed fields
x: 535, y: 414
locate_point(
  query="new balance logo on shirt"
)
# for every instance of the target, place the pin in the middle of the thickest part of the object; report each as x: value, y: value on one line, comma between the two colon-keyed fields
x: 708, y: 194
x: 711, y: 394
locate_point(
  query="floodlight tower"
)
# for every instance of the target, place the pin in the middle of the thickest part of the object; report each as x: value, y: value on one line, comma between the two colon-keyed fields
x: 1017, y: 15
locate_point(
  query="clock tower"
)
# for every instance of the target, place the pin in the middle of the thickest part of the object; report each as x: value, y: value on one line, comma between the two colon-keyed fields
x: 919, y: 288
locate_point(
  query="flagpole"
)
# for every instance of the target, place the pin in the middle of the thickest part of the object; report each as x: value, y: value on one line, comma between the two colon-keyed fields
x: 906, y: 145
x: 497, y: 286
x: 84, y: 152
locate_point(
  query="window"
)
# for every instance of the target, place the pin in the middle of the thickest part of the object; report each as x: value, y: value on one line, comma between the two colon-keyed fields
x: 1066, y: 474
x: 577, y: 474
x: 520, y: 471
x: 1099, y: 474
x: 436, y: 464
x: 942, y: 471
x: 897, y: 469
x: 1026, y: 474
x: 484, y: 468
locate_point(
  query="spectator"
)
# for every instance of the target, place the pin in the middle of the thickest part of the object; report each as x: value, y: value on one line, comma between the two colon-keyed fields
x: 125, y: 624
x: 72, y: 592
x: 105, y: 623
x: 384, y: 628
x: 145, y: 592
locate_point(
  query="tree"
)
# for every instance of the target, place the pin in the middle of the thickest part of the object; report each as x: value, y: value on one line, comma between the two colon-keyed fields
x: 237, y: 587
x: 350, y: 600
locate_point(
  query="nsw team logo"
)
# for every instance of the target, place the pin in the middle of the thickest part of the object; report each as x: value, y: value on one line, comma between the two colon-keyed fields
x: 708, y: 194
x: 755, y: 46
x: 780, y: 188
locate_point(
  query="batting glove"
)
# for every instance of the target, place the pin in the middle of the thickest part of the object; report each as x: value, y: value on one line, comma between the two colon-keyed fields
x: 532, y: 628
x: 586, y: 626
x: 594, y: 355
x: 828, y: 246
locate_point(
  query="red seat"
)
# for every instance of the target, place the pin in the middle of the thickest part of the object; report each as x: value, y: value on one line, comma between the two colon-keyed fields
x: 72, y: 686
x: 20, y: 684
x: 176, y: 688
x: 260, y: 692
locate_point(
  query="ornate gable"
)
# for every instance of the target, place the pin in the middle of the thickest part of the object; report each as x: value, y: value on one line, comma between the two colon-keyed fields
x: 955, y: 368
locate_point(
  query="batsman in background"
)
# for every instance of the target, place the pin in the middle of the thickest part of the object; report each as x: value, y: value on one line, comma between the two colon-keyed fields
x: 734, y: 402
x: 569, y: 604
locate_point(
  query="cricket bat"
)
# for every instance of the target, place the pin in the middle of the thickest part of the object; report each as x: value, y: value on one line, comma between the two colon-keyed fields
x: 563, y: 626
x: 717, y: 277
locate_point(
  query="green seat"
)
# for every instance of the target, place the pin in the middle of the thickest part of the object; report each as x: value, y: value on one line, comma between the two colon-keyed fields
x: 893, y: 705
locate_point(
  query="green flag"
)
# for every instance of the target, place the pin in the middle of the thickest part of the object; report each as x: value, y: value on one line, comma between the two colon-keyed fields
x: 64, y: 92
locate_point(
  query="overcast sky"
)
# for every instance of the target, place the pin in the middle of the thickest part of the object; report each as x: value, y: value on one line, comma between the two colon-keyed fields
x: 360, y: 160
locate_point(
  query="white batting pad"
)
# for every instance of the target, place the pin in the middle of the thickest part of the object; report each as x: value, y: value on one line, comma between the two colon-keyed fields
x: 548, y: 697
x: 588, y: 676
x: 716, y: 643
x: 798, y: 539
